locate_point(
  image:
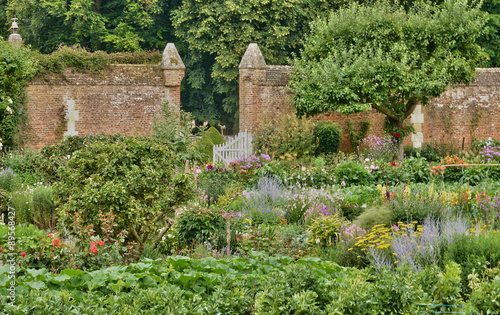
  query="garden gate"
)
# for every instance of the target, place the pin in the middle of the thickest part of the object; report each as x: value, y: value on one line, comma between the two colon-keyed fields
x: 239, y: 146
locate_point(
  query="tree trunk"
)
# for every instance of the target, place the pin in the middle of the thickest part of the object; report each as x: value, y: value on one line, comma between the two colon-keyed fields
x: 400, y: 151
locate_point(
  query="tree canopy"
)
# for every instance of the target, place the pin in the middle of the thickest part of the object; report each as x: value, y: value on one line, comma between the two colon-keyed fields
x: 217, y: 33
x: 382, y: 57
x: 211, y: 36
x: 111, y: 25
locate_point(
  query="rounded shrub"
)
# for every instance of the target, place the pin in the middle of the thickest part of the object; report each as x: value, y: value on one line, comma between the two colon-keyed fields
x: 328, y: 134
x: 196, y: 224
x: 134, y: 178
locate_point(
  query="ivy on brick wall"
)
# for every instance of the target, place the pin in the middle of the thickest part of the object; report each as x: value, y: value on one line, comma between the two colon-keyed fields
x: 16, y: 67
x: 82, y: 60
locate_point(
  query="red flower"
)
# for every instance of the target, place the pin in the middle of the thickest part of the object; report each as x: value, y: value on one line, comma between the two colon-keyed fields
x: 50, y: 235
x: 406, y: 128
x: 101, y: 243
x: 394, y: 164
x: 19, y: 264
x: 93, y: 248
x: 56, y: 242
x: 23, y: 254
x: 0, y: 250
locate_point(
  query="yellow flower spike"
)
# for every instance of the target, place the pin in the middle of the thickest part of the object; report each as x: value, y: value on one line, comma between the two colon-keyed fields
x: 396, y: 262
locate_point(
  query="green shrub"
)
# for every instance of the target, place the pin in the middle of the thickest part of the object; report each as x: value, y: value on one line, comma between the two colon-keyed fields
x: 328, y: 134
x: 486, y: 298
x: 206, y: 144
x: 214, y: 135
x: 352, y: 173
x: 287, y: 137
x: 21, y: 162
x: 417, y: 169
x: 52, y: 157
x: 275, y: 170
x: 196, y: 225
x: 474, y: 252
x: 134, y: 178
x: 375, y: 215
x: 206, y: 149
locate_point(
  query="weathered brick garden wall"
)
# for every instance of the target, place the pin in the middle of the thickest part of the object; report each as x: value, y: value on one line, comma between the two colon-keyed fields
x: 121, y: 99
x: 456, y: 117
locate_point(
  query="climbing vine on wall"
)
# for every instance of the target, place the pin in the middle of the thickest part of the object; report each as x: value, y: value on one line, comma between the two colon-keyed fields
x: 16, y: 67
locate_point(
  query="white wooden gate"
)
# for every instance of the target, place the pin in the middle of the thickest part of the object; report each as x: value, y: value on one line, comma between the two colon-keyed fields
x: 239, y: 146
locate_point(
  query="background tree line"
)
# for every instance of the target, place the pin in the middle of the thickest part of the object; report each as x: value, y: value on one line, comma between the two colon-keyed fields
x: 211, y: 36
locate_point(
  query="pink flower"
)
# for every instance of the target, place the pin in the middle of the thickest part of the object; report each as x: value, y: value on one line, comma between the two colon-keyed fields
x: 50, y: 235
x: 395, y: 228
x: 101, y: 243
x: 23, y: 254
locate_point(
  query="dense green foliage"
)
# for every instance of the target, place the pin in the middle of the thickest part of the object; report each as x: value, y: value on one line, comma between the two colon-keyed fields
x: 380, y: 56
x: 206, y: 144
x: 217, y: 33
x: 16, y: 67
x: 133, y: 178
x: 286, y: 137
x: 111, y: 25
x: 211, y: 36
x: 329, y: 137
x: 259, y: 284
x: 82, y: 60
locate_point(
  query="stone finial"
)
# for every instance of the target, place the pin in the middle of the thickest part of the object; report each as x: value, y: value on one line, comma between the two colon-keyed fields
x: 171, y: 59
x: 15, y: 37
x: 253, y: 58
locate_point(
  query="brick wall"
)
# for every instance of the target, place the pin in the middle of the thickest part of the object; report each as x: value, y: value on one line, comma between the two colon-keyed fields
x: 121, y: 99
x: 456, y: 117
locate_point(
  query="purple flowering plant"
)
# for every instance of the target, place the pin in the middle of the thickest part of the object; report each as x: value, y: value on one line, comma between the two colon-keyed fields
x: 378, y: 148
x: 244, y: 167
x: 490, y: 154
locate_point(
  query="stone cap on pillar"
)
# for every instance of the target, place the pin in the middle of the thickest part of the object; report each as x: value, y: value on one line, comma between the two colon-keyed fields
x: 253, y: 58
x: 172, y: 65
x: 15, y: 37
x: 171, y: 59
